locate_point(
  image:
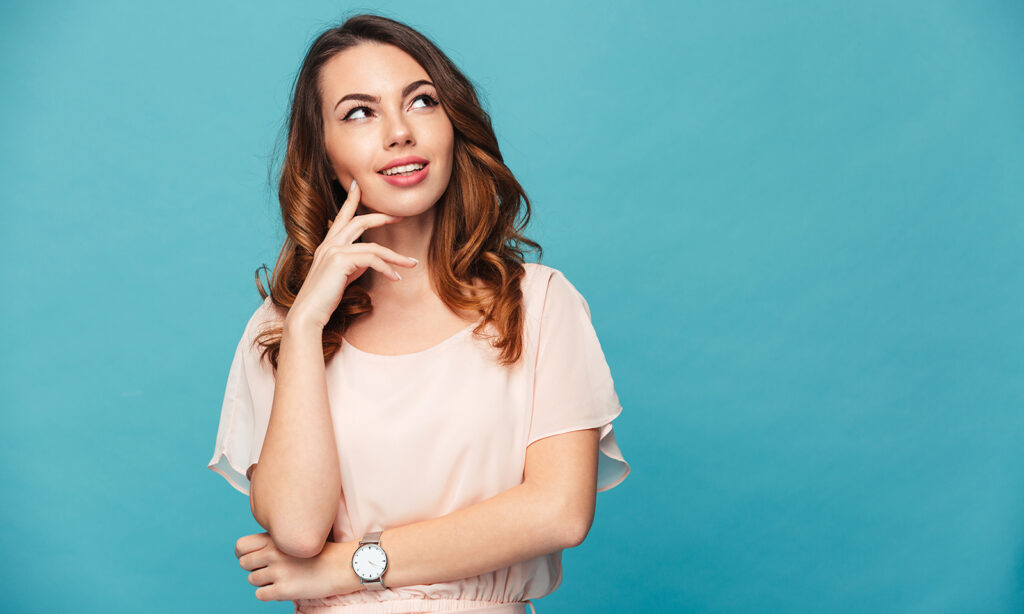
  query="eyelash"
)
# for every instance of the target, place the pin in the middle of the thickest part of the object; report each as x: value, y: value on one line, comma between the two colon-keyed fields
x: 433, y: 103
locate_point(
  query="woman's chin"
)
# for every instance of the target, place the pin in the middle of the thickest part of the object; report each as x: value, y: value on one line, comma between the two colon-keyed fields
x: 399, y: 204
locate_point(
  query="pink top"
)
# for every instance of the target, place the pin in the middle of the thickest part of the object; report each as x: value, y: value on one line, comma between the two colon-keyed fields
x: 453, y: 433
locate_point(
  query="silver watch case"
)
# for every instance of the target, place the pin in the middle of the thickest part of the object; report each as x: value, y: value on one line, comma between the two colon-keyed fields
x: 369, y: 561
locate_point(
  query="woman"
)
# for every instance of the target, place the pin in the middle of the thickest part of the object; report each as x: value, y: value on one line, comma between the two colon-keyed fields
x: 433, y: 394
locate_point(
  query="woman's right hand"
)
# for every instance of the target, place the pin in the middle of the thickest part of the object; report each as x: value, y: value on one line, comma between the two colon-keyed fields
x: 338, y: 261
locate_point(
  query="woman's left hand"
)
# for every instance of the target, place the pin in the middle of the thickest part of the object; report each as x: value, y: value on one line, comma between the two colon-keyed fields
x: 282, y: 577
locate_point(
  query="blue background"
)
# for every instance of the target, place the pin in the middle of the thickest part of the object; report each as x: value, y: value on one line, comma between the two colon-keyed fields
x: 798, y: 226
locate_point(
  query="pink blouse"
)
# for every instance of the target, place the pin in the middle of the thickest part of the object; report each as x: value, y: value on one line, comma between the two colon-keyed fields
x: 424, y: 434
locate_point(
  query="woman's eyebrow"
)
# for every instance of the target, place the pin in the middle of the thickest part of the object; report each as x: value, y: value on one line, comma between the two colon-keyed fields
x: 367, y: 98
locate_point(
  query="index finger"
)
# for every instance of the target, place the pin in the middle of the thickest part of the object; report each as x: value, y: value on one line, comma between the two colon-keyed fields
x: 250, y: 543
x: 347, y: 210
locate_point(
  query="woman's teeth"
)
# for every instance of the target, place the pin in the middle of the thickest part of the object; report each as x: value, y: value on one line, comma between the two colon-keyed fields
x: 408, y: 169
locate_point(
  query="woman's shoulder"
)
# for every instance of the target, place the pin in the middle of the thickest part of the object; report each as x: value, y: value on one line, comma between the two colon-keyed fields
x: 266, y: 315
x: 543, y: 284
x: 538, y: 274
x: 534, y: 282
x: 541, y: 278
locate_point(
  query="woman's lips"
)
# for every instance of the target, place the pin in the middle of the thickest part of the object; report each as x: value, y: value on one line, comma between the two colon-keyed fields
x: 407, y: 180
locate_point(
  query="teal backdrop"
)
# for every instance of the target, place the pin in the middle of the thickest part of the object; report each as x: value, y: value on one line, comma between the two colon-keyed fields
x: 798, y: 225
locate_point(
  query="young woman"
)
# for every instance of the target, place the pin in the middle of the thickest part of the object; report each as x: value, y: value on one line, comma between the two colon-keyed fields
x: 410, y: 382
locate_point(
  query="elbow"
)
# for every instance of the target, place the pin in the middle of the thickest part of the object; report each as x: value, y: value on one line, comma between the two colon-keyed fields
x: 298, y: 546
x: 296, y: 541
x: 255, y: 514
x: 305, y: 550
x: 576, y: 533
x: 575, y: 522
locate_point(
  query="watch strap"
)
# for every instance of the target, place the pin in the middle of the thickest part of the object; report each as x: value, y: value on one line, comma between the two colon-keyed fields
x: 371, y: 538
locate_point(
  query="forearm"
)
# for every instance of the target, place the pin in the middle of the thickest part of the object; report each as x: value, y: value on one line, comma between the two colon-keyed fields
x: 296, y: 482
x: 515, y: 525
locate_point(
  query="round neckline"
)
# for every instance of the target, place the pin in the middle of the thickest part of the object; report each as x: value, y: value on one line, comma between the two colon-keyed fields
x: 347, y: 345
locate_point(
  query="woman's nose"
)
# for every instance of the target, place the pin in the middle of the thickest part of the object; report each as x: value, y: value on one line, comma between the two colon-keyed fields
x: 399, y: 133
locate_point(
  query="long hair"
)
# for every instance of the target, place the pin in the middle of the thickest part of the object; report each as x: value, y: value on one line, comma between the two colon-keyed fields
x: 475, y: 232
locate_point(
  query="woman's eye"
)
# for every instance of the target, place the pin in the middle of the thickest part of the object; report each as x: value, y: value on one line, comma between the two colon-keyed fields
x: 431, y: 102
x: 353, y: 110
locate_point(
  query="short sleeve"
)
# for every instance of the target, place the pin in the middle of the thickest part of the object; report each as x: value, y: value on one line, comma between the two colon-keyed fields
x: 245, y: 412
x: 573, y: 386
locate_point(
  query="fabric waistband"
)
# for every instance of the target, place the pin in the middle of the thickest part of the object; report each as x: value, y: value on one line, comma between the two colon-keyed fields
x: 421, y: 606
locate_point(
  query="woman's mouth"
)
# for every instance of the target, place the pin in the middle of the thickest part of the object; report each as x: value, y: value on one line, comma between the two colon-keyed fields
x: 409, y: 174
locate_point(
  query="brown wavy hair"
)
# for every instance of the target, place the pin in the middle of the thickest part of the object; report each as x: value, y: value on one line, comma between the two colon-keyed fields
x: 475, y: 232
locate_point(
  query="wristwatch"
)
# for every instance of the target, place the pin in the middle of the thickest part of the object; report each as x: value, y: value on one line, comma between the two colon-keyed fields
x: 369, y: 561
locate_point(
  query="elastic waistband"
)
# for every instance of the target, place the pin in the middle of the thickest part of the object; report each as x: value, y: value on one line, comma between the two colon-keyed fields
x: 421, y: 606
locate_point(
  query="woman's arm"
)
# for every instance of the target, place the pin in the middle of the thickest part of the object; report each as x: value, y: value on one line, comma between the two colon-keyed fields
x: 551, y: 510
x: 294, y: 489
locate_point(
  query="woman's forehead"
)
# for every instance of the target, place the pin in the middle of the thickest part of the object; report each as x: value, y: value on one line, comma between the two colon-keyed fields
x: 374, y: 69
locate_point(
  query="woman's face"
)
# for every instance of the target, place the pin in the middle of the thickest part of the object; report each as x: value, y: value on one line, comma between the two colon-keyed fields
x: 363, y: 136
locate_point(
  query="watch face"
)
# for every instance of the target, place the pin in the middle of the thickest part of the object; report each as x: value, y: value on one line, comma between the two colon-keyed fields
x: 369, y: 561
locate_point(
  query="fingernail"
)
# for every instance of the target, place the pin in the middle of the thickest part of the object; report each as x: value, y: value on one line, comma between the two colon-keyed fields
x: 397, y: 275
x: 353, y: 186
x: 413, y: 259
